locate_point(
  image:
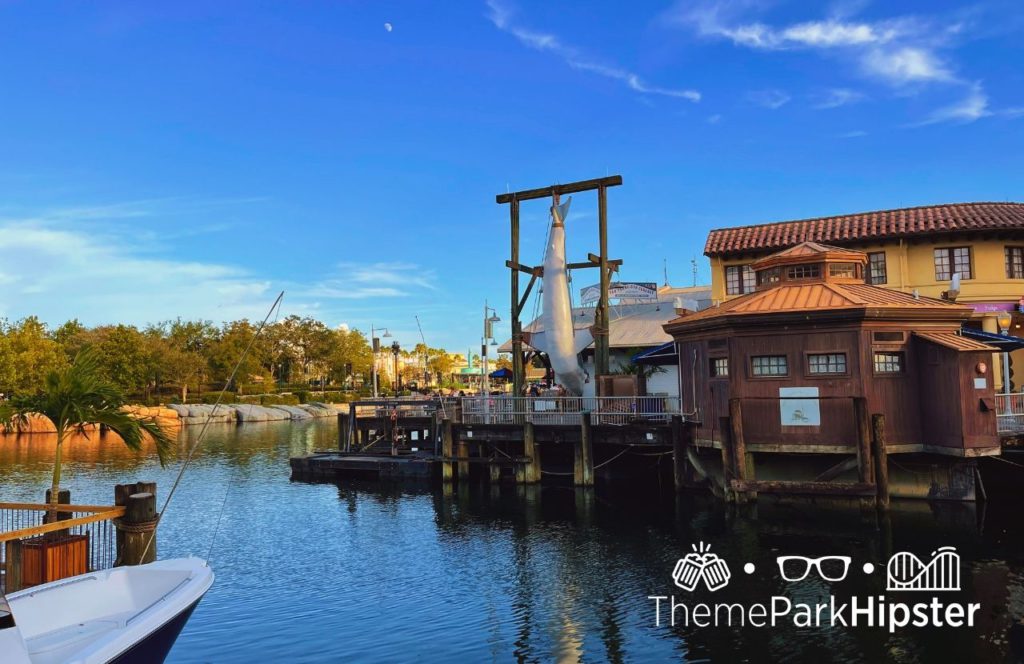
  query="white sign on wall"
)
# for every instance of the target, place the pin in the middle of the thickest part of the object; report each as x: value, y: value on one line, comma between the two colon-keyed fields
x: 799, y: 412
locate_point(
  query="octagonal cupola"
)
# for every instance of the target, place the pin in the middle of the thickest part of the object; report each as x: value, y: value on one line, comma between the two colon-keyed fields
x: 809, y: 263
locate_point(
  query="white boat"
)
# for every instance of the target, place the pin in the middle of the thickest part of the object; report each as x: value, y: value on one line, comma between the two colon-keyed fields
x: 125, y: 614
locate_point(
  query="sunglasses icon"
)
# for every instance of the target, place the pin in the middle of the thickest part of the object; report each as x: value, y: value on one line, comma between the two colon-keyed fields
x: 830, y: 568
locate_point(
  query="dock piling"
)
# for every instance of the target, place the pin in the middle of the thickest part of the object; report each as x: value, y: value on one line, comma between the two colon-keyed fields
x: 679, y: 445
x: 742, y: 463
x: 583, y: 459
x: 725, y: 432
x: 138, y: 525
x: 530, y: 470
x: 881, y: 460
x: 447, y: 468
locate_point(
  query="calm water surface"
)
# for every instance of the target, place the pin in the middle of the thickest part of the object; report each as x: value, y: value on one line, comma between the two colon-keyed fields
x: 320, y: 573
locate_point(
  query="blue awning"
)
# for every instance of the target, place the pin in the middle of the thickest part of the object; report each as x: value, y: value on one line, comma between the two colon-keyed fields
x: 1005, y: 343
x: 664, y: 354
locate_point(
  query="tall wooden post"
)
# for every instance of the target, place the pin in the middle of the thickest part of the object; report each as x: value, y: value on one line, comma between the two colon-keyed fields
x: 601, y: 312
x: 463, y: 453
x: 679, y: 460
x: 529, y: 473
x: 343, y: 419
x: 865, y: 472
x: 881, y: 460
x: 138, y: 525
x: 728, y: 472
x: 12, y: 578
x: 447, y: 468
x: 583, y: 459
x: 518, y: 371
x: 741, y: 460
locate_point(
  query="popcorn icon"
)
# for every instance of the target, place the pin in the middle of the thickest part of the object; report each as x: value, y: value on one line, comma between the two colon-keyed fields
x: 701, y: 564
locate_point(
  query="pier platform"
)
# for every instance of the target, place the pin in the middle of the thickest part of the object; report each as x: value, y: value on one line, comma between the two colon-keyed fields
x: 332, y: 466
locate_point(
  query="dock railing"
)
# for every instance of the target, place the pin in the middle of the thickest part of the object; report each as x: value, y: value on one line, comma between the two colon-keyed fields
x: 1010, y: 413
x: 500, y: 409
x: 36, y: 548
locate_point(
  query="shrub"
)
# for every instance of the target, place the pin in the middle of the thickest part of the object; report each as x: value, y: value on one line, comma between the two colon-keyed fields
x: 211, y: 397
x: 279, y: 400
x: 302, y: 396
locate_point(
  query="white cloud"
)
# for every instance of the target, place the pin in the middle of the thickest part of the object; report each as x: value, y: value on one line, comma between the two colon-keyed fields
x: 972, y: 107
x: 714, y: 119
x: 906, y: 65
x: 772, y: 99
x: 837, y: 97
x: 853, y: 134
x: 501, y: 16
x: 59, y: 266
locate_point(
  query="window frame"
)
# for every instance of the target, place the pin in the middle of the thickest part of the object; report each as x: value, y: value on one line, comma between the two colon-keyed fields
x: 807, y: 364
x: 951, y: 265
x: 803, y: 271
x: 1007, y: 262
x: 746, y: 279
x: 756, y: 376
x: 711, y: 367
x: 902, y: 353
x: 885, y: 268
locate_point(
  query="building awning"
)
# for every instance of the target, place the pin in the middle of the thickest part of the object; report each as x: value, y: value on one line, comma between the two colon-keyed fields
x: 957, y: 342
x: 662, y: 355
x: 501, y: 373
x: 1005, y: 343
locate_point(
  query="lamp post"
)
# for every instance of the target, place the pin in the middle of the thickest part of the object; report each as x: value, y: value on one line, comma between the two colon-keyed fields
x: 1004, y: 319
x: 376, y: 349
x: 395, y: 350
x: 488, y: 338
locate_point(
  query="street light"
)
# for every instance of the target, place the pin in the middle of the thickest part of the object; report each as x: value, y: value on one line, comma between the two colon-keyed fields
x: 375, y: 342
x: 1004, y: 319
x: 488, y: 337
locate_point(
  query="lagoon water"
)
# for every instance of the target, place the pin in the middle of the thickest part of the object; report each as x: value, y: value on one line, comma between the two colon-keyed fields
x: 321, y: 573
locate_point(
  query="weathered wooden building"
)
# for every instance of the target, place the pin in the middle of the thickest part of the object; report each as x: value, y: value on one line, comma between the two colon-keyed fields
x: 814, y: 336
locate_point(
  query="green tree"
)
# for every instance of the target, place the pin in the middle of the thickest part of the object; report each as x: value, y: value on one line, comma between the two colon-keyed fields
x: 350, y: 355
x: 124, y: 357
x: 27, y: 355
x: 227, y: 350
x: 77, y: 395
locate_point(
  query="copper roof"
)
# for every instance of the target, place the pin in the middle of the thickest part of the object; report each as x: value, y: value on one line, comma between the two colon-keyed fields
x: 821, y: 297
x: 863, y: 226
x: 955, y: 341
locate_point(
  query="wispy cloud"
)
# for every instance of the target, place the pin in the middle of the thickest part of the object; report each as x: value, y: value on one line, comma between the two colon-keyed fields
x: 772, y: 99
x: 837, y: 97
x: 905, y: 65
x: 714, y: 119
x: 853, y: 134
x: 501, y: 16
x: 973, y: 106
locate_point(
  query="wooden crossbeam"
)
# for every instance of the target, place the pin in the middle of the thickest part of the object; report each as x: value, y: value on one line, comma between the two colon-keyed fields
x: 559, y: 189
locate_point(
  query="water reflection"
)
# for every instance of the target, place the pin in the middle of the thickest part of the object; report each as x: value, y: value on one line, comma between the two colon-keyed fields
x: 317, y: 572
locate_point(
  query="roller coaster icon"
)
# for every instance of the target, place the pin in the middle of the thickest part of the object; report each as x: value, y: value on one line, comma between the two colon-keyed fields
x: 906, y: 571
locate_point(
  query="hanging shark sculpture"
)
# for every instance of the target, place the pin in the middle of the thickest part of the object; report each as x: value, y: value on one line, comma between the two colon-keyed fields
x: 559, y: 340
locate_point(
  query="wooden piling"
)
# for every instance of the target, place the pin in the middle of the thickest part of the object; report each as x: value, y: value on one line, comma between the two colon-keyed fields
x: 138, y: 525
x: 532, y: 451
x: 343, y: 428
x: 725, y: 433
x: 447, y: 468
x: 864, y: 465
x: 495, y: 468
x: 463, y: 466
x: 679, y: 460
x: 742, y: 462
x: 881, y: 460
x: 12, y: 578
x: 583, y: 459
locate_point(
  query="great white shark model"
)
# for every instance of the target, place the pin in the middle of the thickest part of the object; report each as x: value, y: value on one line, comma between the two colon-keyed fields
x: 559, y: 340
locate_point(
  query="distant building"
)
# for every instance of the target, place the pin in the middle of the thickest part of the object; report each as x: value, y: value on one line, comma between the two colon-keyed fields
x: 910, y: 249
x: 635, y: 325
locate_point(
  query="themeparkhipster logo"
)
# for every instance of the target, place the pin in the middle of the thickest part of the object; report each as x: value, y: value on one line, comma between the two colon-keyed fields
x: 701, y: 569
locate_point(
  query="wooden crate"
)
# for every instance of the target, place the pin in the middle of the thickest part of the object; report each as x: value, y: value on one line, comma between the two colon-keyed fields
x: 46, y: 559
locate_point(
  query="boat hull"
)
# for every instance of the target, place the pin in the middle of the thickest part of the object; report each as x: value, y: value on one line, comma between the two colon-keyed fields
x: 154, y: 648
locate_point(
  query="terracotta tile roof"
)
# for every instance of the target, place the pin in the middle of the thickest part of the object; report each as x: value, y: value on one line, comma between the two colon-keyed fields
x: 955, y: 341
x: 852, y: 228
x: 820, y: 297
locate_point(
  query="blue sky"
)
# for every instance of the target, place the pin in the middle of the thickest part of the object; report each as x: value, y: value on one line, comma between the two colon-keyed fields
x: 193, y: 158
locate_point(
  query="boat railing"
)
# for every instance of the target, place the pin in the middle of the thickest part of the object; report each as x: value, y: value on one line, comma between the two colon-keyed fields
x: 501, y: 409
x: 40, y: 543
x: 1010, y: 413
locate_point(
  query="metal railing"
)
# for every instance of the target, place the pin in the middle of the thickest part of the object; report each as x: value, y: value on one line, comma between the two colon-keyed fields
x: 497, y: 409
x: 1010, y: 413
x: 81, y: 539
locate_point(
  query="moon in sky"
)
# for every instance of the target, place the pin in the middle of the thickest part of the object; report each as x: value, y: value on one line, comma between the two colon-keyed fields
x: 388, y: 27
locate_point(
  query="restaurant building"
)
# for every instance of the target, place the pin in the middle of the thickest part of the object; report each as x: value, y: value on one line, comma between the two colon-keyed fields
x: 908, y: 250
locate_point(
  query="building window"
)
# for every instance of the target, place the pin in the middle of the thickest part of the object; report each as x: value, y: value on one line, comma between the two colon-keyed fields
x: 888, y: 337
x: 876, y: 268
x: 769, y: 276
x: 842, y: 270
x: 739, y: 279
x: 952, y: 260
x: 826, y: 363
x: 719, y: 367
x: 889, y: 362
x: 804, y: 271
x: 1015, y: 262
x: 769, y: 365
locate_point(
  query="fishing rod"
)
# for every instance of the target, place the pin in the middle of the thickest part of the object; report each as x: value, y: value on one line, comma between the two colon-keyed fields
x: 202, y: 435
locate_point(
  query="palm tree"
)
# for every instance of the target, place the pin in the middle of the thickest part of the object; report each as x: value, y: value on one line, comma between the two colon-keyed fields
x: 76, y: 396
